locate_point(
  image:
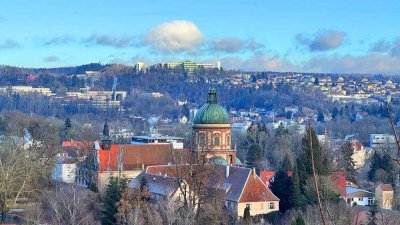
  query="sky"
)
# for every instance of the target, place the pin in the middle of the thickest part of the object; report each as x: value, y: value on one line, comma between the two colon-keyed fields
x: 333, y: 36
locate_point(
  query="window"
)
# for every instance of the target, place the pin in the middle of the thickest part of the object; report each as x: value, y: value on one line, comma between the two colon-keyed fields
x: 216, y: 140
x: 370, y: 201
x: 229, y: 205
x: 228, y: 139
x: 271, y: 205
x: 202, y: 139
x: 360, y: 199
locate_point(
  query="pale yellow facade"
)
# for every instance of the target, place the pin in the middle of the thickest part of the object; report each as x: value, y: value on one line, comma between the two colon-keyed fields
x: 104, y: 177
x: 257, y: 208
x: 384, y: 198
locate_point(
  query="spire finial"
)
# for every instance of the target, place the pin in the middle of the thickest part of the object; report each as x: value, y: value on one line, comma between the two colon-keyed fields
x: 106, y: 130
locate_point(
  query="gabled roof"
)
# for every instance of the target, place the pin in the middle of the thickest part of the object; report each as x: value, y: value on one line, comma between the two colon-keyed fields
x: 158, y: 184
x: 352, y: 192
x: 242, y: 184
x: 386, y: 187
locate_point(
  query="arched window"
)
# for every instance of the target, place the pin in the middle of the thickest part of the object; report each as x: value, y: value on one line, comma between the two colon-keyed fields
x: 217, y: 140
x: 228, y: 139
x: 202, y: 139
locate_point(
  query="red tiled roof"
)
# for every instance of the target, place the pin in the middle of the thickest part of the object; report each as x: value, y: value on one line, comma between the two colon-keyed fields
x: 256, y: 191
x: 357, y: 145
x: 339, y: 179
x: 386, y: 187
x: 135, y: 155
x: 83, y: 146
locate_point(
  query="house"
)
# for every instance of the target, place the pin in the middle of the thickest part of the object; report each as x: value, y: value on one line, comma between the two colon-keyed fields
x: 355, y: 196
x: 359, y: 154
x: 384, y: 196
x: 234, y: 188
x: 64, y: 169
x: 77, y: 148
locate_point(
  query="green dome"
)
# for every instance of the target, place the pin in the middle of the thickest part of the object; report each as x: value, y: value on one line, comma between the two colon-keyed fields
x: 211, y: 113
x: 238, y: 161
x: 217, y: 160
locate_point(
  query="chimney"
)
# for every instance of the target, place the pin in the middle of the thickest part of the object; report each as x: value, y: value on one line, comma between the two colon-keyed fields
x: 227, y: 171
x: 142, y: 166
x: 254, y: 170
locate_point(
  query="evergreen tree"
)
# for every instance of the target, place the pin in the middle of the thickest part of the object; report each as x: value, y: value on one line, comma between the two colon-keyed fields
x: 304, y: 160
x: 112, y: 195
x: 335, y: 113
x: 246, y: 215
x: 68, y: 124
x: 186, y: 111
x: 388, y: 165
x: 253, y: 155
x: 374, y: 166
x: 294, y: 198
x: 300, y: 220
x: 67, y: 130
x: 287, y: 163
x: 348, y: 164
x: 373, y: 210
x: 321, y: 117
x: 280, y: 187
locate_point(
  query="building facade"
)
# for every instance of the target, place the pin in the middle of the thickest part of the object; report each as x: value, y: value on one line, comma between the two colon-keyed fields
x: 384, y: 196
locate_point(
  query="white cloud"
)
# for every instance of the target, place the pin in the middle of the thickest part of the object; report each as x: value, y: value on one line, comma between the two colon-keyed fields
x: 372, y: 63
x: 231, y: 45
x: 51, y: 59
x: 108, y: 40
x: 259, y: 61
x: 323, y: 40
x: 175, y: 36
x: 9, y: 44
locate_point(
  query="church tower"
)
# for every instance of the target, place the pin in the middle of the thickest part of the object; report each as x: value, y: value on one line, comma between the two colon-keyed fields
x: 106, y: 139
x: 212, y: 132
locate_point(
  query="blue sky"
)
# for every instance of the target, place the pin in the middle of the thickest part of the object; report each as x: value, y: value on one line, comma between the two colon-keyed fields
x: 309, y: 35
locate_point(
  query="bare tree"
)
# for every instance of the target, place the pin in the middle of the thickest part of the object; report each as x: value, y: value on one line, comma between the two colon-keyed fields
x: 70, y: 205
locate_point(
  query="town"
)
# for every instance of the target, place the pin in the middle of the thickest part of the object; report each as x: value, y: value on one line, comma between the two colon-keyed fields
x: 199, y: 112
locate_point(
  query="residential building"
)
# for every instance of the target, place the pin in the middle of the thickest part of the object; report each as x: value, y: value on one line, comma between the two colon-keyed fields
x: 64, y: 169
x: 382, y: 140
x: 384, y: 196
x: 359, y: 154
x: 355, y: 196
x: 140, y: 67
x: 234, y: 188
